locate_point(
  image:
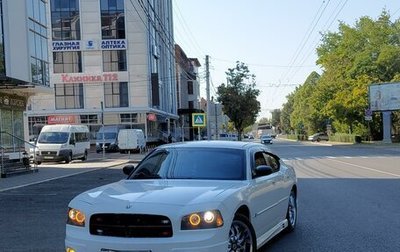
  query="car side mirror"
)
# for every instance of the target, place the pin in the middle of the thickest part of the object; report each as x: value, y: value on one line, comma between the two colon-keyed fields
x: 127, y: 169
x: 263, y: 170
x: 72, y: 141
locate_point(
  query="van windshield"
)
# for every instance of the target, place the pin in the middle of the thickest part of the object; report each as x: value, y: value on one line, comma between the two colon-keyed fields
x: 107, y: 135
x: 53, y: 137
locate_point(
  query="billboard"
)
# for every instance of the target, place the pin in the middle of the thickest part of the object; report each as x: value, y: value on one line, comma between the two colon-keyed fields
x: 384, y: 97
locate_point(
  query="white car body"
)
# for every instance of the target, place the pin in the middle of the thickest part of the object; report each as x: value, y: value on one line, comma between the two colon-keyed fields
x: 264, y: 199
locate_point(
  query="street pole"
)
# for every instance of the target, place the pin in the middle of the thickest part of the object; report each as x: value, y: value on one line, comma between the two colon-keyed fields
x: 102, y: 126
x: 216, y: 122
x: 208, y: 98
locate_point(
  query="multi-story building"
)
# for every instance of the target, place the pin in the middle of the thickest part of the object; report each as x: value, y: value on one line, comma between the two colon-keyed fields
x: 112, y: 62
x: 188, y: 97
x: 24, y: 68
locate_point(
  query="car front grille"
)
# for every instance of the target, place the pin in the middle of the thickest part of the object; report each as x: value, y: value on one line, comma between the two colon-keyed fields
x: 130, y: 225
x: 52, y: 153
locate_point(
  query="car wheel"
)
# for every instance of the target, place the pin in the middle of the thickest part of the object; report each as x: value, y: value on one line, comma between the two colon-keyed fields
x: 318, y: 139
x: 291, y: 215
x: 241, y: 235
x: 68, y: 158
x: 84, y: 156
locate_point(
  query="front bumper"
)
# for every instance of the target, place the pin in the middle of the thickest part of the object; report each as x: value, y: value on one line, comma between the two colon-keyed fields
x: 52, y: 156
x: 206, y: 240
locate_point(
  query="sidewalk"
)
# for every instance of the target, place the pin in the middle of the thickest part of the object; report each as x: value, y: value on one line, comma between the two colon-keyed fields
x: 52, y: 171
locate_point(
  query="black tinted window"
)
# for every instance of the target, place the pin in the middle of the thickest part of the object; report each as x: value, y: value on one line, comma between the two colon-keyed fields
x: 209, y: 163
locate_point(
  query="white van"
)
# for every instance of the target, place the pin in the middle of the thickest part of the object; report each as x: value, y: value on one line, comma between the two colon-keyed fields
x: 62, y: 142
x: 131, y: 140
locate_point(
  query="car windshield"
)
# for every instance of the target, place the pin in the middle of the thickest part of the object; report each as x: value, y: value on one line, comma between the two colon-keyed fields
x: 53, y: 137
x: 107, y: 135
x: 193, y: 163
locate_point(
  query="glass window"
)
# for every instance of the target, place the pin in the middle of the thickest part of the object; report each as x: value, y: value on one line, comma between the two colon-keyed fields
x: 128, y: 118
x: 65, y: 21
x: 209, y: 163
x: 190, y: 87
x: 112, y: 19
x: 89, y: 119
x: 114, y: 61
x: 67, y: 62
x: 69, y: 96
x: 116, y: 94
x: 38, y: 41
x: 154, y: 166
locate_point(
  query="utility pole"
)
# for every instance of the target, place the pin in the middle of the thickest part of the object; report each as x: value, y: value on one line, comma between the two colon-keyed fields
x: 102, y: 126
x: 208, y: 98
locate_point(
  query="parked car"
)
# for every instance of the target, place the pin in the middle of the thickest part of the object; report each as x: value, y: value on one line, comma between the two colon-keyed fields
x: 318, y: 137
x: 266, y: 139
x: 195, y: 196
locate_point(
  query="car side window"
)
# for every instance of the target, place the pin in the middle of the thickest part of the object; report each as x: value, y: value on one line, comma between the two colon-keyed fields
x: 153, y: 166
x: 258, y: 160
x: 271, y: 161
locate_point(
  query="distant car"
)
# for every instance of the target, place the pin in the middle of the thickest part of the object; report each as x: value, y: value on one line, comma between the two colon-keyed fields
x: 191, y: 196
x: 266, y: 139
x: 318, y: 137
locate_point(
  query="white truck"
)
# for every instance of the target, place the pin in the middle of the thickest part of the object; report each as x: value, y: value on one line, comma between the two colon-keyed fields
x: 131, y: 140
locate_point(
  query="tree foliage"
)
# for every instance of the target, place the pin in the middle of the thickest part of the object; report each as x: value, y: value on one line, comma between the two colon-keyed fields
x: 352, y: 59
x: 239, y: 97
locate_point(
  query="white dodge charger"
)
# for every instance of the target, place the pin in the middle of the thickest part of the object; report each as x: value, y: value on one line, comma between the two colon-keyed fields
x: 193, y: 196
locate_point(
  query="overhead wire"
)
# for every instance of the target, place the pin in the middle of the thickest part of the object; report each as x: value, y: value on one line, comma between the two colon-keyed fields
x: 314, y: 23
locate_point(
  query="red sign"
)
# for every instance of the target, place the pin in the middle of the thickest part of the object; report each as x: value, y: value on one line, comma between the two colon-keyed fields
x: 152, y: 117
x: 88, y: 78
x: 61, y: 119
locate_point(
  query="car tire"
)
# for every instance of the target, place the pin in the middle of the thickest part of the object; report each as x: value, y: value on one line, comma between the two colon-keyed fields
x: 291, y: 214
x: 318, y: 139
x: 84, y: 158
x: 68, y: 158
x: 241, y: 235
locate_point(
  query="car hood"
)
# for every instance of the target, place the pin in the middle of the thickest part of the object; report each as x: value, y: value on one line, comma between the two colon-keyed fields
x: 168, y: 192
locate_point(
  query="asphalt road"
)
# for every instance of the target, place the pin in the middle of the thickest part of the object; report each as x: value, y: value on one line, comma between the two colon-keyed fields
x: 348, y: 201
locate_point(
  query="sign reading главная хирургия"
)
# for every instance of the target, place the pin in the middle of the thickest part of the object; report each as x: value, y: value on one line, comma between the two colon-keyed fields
x: 71, y: 45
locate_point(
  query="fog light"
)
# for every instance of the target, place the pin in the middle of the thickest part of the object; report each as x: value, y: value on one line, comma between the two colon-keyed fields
x: 68, y: 249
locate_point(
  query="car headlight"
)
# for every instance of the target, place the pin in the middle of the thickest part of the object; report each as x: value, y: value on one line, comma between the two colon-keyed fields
x: 202, y: 220
x: 76, y: 217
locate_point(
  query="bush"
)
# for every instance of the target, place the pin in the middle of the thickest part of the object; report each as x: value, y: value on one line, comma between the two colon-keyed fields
x: 345, y: 138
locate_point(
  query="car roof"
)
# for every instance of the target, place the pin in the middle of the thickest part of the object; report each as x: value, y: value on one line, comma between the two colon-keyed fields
x: 212, y: 144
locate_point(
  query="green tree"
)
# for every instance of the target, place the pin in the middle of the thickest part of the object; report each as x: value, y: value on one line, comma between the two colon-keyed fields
x: 285, y: 114
x: 239, y: 97
x: 305, y: 115
x: 352, y: 59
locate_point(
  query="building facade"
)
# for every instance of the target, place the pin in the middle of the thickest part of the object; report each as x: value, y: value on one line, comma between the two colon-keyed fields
x: 188, y: 96
x: 112, y: 62
x: 24, y: 67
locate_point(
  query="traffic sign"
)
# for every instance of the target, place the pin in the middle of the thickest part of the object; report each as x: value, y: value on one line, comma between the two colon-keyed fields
x: 368, y: 112
x: 198, y: 119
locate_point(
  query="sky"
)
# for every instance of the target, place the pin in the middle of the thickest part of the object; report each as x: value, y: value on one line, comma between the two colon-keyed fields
x: 277, y: 40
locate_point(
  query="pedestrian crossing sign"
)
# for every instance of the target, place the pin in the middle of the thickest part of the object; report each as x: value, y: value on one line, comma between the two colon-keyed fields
x: 198, y: 119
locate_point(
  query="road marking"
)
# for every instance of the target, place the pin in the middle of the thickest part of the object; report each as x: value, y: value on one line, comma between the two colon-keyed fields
x: 366, y: 168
